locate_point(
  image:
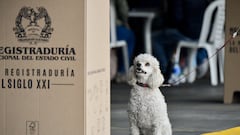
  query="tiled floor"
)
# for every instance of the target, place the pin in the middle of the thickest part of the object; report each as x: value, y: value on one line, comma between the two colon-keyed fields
x: 193, y: 109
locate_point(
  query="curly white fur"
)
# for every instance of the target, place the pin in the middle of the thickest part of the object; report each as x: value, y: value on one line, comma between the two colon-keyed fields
x: 147, y: 110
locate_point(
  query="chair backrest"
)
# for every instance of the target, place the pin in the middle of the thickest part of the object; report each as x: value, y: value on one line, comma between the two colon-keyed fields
x: 215, y: 13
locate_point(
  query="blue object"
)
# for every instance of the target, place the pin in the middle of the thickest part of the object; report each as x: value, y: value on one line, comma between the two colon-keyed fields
x: 176, y: 70
x: 124, y: 33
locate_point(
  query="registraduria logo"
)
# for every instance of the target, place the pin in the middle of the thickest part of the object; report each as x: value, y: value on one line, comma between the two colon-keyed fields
x: 33, y: 26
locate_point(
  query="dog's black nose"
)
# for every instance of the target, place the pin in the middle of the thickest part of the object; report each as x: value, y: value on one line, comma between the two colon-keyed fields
x: 138, y: 64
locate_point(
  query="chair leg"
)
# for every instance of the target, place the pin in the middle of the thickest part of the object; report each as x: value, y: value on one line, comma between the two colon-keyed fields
x: 177, y: 54
x: 221, y: 66
x: 125, y: 57
x: 213, y: 67
x: 213, y: 70
x: 192, y: 65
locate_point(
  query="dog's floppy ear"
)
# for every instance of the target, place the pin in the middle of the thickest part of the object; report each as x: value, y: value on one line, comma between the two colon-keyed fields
x: 156, y: 79
x: 131, y: 76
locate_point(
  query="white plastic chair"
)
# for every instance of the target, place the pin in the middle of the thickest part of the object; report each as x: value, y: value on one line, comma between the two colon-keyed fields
x: 149, y: 16
x: 211, y: 44
x: 114, y: 42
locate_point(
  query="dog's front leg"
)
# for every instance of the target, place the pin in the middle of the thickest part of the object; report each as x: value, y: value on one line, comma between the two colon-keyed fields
x: 134, y: 130
x: 162, y: 130
x: 156, y: 130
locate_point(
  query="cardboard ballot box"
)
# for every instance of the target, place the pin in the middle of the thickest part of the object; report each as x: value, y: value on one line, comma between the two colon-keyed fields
x: 54, y: 74
x: 232, y: 51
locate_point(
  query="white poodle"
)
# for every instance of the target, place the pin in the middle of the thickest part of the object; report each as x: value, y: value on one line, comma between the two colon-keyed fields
x: 147, y: 110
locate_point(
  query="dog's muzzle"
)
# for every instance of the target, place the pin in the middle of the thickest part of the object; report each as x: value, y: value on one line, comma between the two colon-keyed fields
x: 139, y: 71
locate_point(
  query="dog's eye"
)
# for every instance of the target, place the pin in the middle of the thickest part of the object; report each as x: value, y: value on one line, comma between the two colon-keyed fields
x: 147, y: 64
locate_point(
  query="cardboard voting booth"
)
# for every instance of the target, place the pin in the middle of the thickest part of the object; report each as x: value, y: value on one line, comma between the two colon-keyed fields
x: 54, y: 58
x: 232, y: 51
